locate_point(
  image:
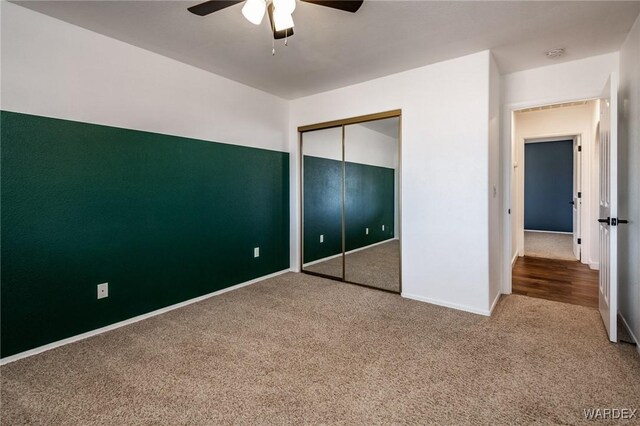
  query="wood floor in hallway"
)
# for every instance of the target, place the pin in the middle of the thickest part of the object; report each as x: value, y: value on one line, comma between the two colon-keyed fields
x: 558, y: 280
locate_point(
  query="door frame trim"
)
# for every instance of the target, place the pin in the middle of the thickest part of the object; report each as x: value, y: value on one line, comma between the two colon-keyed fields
x: 506, y: 164
x: 342, y: 123
x: 351, y: 120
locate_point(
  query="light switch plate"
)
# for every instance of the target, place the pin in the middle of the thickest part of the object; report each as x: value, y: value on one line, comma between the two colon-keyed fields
x: 383, y: 227
x: 322, y: 238
x: 256, y: 252
x: 366, y: 231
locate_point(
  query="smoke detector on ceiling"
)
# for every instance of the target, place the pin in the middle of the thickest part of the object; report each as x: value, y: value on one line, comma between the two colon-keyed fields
x: 555, y: 53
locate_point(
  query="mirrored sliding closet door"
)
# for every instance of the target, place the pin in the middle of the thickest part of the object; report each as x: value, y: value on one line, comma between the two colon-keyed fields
x: 322, y: 212
x: 371, y: 204
x: 351, y: 201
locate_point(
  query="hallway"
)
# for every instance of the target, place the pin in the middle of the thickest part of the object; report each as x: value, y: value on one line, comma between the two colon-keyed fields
x: 549, y: 245
x: 559, y: 280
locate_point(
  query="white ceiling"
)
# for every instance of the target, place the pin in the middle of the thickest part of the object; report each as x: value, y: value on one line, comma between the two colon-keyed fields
x: 333, y: 49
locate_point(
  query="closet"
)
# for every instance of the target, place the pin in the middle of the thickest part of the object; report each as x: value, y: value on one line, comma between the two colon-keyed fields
x: 350, y: 192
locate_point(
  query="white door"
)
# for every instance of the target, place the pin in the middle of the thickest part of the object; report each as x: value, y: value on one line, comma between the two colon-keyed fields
x: 608, y: 221
x: 577, y: 194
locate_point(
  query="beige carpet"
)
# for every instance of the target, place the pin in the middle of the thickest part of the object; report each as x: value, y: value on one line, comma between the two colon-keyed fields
x: 331, y: 267
x: 377, y: 266
x: 299, y: 349
x: 549, y: 245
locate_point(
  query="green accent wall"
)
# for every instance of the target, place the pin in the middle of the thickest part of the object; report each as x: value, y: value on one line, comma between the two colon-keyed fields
x: 162, y: 219
x: 322, y: 207
x: 369, y: 196
x: 369, y: 203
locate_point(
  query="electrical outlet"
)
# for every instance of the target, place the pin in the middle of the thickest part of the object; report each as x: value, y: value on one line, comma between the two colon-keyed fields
x: 322, y: 238
x: 103, y: 290
x: 366, y: 231
x: 256, y: 252
x: 383, y: 227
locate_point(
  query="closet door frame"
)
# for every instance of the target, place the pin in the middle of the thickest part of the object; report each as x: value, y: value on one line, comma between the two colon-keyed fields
x: 342, y: 123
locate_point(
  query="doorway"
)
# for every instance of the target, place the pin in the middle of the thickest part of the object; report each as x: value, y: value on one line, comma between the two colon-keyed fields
x: 600, y: 206
x: 552, y: 198
x: 555, y: 199
x: 350, y: 200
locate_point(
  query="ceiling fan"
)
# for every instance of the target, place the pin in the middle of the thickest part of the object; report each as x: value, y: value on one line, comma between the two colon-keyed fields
x: 279, y: 11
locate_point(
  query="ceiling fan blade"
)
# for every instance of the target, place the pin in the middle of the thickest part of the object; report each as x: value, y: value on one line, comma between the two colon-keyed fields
x: 211, y: 6
x: 277, y: 34
x: 346, y: 5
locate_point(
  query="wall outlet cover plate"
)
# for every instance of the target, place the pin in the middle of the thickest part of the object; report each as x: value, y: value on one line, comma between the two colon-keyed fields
x: 103, y: 290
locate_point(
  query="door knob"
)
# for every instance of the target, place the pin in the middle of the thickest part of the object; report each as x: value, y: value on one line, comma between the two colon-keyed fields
x: 607, y: 221
x: 620, y: 221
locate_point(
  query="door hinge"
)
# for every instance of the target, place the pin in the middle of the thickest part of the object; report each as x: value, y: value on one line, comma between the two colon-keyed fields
x: 579, y: 240
x: 579, y: 194
x: 579, y: 148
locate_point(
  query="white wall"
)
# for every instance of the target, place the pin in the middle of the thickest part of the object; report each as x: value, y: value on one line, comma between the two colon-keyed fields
x: 55, y: 69
x: 444, y: 181
x: 495, y: 186
x: 568, y: 81
x: 565, y: 121
x: 366, y: 146
x: 324, y: 143
x: 629, y: 181
x: 362, y: 145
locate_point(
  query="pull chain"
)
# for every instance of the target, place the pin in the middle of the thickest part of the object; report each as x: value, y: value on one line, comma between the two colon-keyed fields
x: 273, y: 42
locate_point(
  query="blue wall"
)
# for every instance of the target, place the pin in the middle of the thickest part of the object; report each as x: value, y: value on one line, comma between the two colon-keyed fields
x: 548, y: 186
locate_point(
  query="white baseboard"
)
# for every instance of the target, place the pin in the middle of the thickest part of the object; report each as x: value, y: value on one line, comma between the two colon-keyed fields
x: 495, y: 302
x: 633, y: 336
x: 324, y: 259
x: 548, y: 232
x: 594, y: 265
x: 110, y: 327
x: 514, y: 260
x: 465, y: 308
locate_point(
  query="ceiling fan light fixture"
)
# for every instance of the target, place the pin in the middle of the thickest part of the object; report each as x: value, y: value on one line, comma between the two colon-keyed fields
x: 285, y: 6
x: 254, y: 10
x: 282, y: 20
